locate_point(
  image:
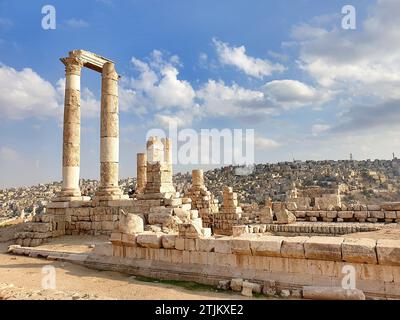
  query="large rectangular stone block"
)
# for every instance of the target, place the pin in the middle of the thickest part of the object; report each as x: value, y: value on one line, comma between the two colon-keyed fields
x: 267, y: 246
x: 150, y: 240
x: 324, y: 248
x: 388, y: 252
x: 240, y: 246
x: 222, y: 245
x: 293, y: 247
x: 359, y: 250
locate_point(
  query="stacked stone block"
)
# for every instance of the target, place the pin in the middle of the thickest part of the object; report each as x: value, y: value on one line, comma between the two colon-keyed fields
x: 293, y: 262
x: 159, y: 168
x: 383, y: 213
x: 230, y: 213
x: 202, y: 199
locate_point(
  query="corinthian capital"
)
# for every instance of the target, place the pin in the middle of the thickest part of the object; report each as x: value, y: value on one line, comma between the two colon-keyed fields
x: 73, y: 65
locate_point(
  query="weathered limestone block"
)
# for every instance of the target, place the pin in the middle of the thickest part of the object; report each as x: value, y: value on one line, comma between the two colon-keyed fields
x: 38, y: 227
x: 390, y: 215
x: 237, y: 284
x: 240, y: 246
x: 190, y: 230
x: 359, y: 250
x: 149, y: 240
x: 332, y: 293
x: 388, y: 252
x: 182, y: 214
x: 377, y: 214
x: 346, y: 214
x: 239, y: 230
x: 205, y: 245
x: 390, y: 206
x: 361, y: 214
x: 267, y: 246
x: 324, y: 248
x: 293, y: 247
x: 168, y: 241
x: 222, y: 245
x: 130, y: 223
x: 159, y: 215
x: 129, y: 240
x: 247, y: 289
x: 266, y: 215
x: 291, y: 206
x: 283, y: 216
x: 374, y: 207
x: 269, y: 288
x: 116, y: 238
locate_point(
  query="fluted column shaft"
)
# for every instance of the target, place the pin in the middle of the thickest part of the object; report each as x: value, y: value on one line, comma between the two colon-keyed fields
x: 141, y: 172
x: 72, y: 126
x: 109, y: 132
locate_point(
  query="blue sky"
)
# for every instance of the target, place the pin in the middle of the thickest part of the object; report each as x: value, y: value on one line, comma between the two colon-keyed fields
x: 287, y: 69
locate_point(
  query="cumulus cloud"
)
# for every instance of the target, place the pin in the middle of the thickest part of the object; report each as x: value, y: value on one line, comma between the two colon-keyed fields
x: 237, y: 57
x: 157, y: 85
x: 383, y: 116
x: 362, y: 63
x: 218, y: 99
x: 24, y: 93
x: 319, y: 128
x: 293, y: 93
x: 264, y: 143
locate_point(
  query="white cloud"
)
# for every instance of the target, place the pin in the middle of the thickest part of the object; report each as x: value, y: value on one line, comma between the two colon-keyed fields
x: 293, y: 93
x: 319, y: 128
x: 265, y: 143
x: 362, y: 64
x: 157, y: 85
x: 236, y: 56
x: 218, y: 99
x: 24, y: 94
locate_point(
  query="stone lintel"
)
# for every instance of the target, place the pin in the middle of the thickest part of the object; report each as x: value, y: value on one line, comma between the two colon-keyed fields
x: 90, y: 60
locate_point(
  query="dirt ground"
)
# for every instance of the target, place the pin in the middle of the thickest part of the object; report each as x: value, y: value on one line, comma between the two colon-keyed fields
x: 21, y: 277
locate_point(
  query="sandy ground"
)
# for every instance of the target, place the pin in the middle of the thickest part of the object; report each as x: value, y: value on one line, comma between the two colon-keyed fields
x: 21, y: 278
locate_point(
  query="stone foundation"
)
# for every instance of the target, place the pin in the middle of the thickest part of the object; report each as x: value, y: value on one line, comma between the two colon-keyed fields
x: 291, y: 262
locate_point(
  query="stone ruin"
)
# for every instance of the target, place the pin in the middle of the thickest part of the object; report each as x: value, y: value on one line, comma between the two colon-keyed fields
x: 158, y: 232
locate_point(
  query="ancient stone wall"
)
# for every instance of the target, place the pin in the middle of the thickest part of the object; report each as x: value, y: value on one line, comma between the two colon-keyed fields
x: 292, y: 262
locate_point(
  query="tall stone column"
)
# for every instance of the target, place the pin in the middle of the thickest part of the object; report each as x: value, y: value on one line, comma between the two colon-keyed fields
x: 71, y: 131
x: 141, y: 174
x: 109, y: 134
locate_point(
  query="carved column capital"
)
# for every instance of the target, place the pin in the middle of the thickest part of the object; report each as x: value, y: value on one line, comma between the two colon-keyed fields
x: 73, y: 65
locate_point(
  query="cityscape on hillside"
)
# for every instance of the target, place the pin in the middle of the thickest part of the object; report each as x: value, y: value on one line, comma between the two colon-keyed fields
x: 363, y: 182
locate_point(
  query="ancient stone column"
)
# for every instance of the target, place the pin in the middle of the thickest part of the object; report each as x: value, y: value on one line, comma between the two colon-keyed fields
x: 109, y: 133
x: 141, y: 174
x: 72, y: 127
x: 168, y: 152
x: 197, y: 178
